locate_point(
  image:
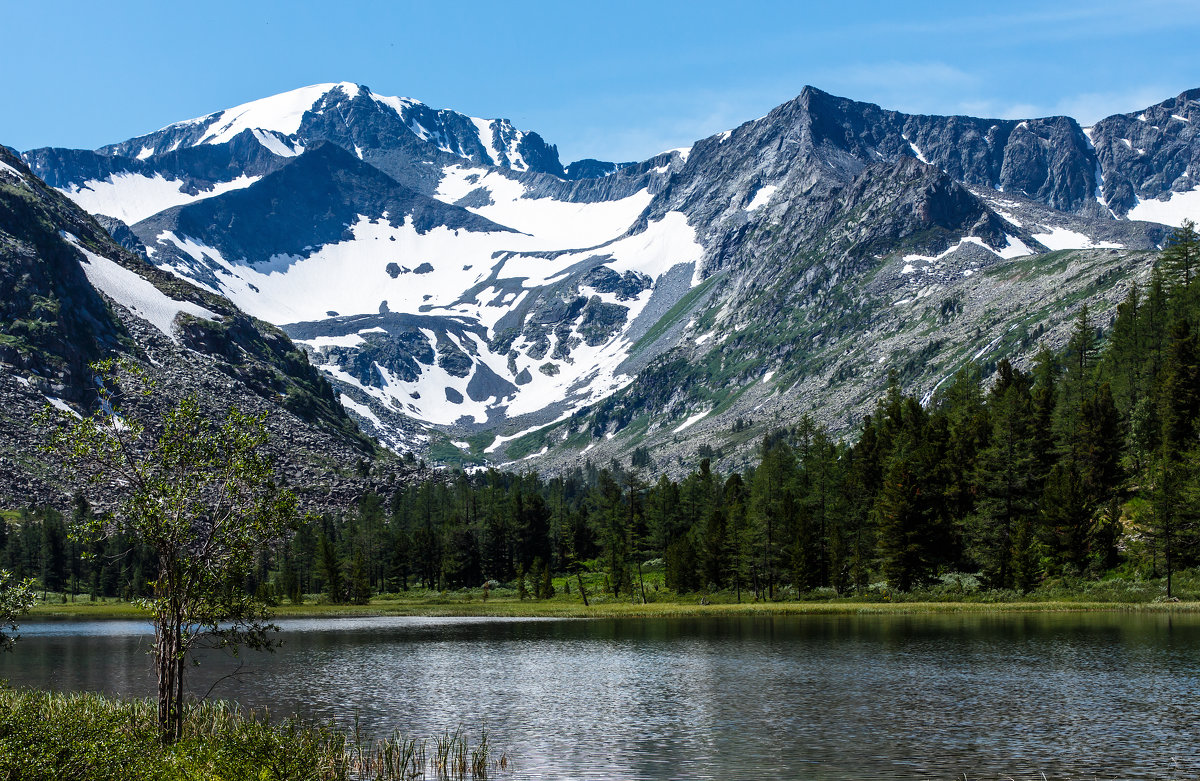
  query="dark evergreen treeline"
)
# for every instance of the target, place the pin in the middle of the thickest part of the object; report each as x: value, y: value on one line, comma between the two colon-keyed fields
x: 1087, y: 462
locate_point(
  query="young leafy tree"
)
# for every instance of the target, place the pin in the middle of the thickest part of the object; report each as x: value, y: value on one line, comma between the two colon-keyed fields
x: 202, y: 496
x: 16, y: 599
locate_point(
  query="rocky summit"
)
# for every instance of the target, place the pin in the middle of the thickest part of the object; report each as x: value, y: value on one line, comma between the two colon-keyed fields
x: 73, y: 295
x: 469, y: 298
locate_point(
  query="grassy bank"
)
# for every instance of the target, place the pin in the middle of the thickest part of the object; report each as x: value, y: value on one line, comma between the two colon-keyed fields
x: 88, y: 737
x: 462, y: 604
x: 952, y: 593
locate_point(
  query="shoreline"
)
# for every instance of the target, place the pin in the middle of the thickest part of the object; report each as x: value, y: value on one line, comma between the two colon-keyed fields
x: 502, y: 608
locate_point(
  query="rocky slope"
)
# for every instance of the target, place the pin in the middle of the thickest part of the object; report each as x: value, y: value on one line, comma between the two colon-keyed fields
x: 472, y: 298
x: 72, y: 295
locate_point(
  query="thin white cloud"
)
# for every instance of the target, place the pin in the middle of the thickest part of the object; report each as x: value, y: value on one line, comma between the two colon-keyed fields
x: 1062, y: 21
x: 897, y: 76
x: 1087, y: 108
x: 915, y: 87
x: 620, y: 128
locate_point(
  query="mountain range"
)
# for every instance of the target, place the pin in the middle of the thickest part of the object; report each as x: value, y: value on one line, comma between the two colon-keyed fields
x: 471, y: 299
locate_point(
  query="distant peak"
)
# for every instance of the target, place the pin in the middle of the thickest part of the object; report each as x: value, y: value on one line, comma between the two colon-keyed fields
x: 1191, y: 94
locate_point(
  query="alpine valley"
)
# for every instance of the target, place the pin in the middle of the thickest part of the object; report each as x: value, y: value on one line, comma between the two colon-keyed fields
x: 468, y: 298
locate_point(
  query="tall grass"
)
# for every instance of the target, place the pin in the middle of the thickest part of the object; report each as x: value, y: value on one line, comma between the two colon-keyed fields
x: 90, y: 737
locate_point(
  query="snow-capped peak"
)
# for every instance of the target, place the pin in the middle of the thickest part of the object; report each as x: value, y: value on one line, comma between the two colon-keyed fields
x: 280, y: 113
x: 278, y: 122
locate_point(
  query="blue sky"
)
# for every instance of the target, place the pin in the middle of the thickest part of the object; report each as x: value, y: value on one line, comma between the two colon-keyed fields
x: 612, y: 80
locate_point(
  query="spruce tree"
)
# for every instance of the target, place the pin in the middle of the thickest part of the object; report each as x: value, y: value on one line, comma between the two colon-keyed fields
x: 359, y: 587
x: 331, y: 571
x: 1006, y: 474
x: 1179, y: 400
x: 1180, y: 258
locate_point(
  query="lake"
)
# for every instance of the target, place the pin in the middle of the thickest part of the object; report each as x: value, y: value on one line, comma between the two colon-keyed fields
x: 1110, y: 695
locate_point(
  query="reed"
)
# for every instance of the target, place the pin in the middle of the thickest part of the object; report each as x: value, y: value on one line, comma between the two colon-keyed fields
x: 399, y: 758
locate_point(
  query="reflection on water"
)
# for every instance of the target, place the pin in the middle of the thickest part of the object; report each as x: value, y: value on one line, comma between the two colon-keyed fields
x: 1075, y: 695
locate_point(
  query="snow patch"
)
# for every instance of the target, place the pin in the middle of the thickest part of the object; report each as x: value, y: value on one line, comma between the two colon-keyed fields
x: 552, y: 223
x: 275, y: 145
x: 691, y: 420
x: 762, y: 197
x: 989, y: 346
x: 483, y: 128
x: 362, y: 410
x: 1173, y: 211
x: 348, y: 340
x: 500, y: 440
x: 132, y: 198
x: 1008, y: 216
x: 6, y: 167
x: 134, y: 292
x: 59, y: 404
x: 1015, y: 248
x: 1063, y: 238
x: 915, y: 150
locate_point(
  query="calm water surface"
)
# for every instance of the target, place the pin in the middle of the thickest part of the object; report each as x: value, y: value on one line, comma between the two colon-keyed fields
x: 851, y: 697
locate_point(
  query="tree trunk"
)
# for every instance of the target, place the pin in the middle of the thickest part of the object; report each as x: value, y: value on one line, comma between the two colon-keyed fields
x: 582, y: 590
x: 1167, y: 559
x: 178, y: 727
x: 169, y: 668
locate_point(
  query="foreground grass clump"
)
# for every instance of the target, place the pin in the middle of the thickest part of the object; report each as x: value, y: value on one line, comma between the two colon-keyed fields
x: 89, y: 737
